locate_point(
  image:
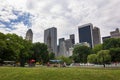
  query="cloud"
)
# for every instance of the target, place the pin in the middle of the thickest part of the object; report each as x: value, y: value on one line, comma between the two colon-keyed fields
x: 66, y: 15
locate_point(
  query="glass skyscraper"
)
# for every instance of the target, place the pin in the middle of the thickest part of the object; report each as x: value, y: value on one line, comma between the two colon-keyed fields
x: 86, y: 34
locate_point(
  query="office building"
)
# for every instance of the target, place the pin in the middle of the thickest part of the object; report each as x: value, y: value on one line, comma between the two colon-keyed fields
x: 86, y: 34
x: 50, y: 39
x: 96, y: 36
x: 29, y: 35
x: 65, y: 46
x: 72, y: 37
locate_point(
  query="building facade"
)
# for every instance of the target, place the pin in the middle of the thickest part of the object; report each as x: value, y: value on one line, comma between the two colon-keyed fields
x: 115, y: 34
x: 50, y: 39
x: 65, y: 46
x: 72, y: 37
x: 86, y: 34
x: 29, y: 35
x: 96, y: 36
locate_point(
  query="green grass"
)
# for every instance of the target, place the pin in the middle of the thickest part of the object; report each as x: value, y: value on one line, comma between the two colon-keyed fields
x: 43, y: 73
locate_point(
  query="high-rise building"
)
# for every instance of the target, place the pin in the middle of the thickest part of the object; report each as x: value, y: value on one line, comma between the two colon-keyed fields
x: 61, y: 40
x: 50, y: 38
x: 29, y: 35
x: 96, y: 36
x: 64, y: 46
x: 115, y: 34
x: 86, y: 34
x: 72, y: 37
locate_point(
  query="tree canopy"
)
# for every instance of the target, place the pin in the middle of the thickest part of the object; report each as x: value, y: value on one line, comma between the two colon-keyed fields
x: 92, y: 58
x: 111, y: 43
x: 41, y: 52
x: 15, y: 48
x: 103, y: 57
x: 80, y: 53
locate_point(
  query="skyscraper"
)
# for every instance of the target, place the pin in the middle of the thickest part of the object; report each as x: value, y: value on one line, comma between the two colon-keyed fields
x: 96, y: 36
x: 86, y: 34
x: 29, y: 35
x: 50, y: 38
x: 72, y: 37
x: 64, y: 46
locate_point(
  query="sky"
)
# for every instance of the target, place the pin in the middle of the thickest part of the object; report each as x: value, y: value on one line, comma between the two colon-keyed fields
x: 17, y: 16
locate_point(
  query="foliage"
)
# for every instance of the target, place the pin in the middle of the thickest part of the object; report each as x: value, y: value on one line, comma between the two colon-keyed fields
x: 80, y: 53
x: 51, y: 55
x: 14, y: 48
x: 111, y: 43
x: 103, y: 57
x: 40, y: 52
x: 97, y: 48
x: 67, y: 60
x: 92, y: 58
x: 115, y: 54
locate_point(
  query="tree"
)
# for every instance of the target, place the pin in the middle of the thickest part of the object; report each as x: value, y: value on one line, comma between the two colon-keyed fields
x: 67, y: 60
x: 41, y: 52
x: 25, y: 52
x: 97, y: 48
x: 3, y: 48
x: 92, y: 58
x: 14, y: 48
x: 103, y: 57
x: 51, y: 55
x: 115, y: 54
x: 80, y: 53
x: 111, y: 43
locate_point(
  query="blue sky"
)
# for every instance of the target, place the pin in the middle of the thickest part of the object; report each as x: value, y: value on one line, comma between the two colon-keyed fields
x: 23, y: 17
x: 66, y: 15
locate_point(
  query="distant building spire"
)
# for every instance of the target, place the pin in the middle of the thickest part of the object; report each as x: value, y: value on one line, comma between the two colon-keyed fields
x: 29, y: 35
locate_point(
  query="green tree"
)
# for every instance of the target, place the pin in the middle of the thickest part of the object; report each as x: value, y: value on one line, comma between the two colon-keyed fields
x: 51, y: 55
x: 103, y: 57
x: 97, y: 48
x: 41, y: 52
x: 25, y: 52
x: 14, y: 48
x: 80, y: 53
x: 111, y: 43
x: 115, y: 54
x: 92, y: 58
x: 3, y: 48
x: 67, y: 60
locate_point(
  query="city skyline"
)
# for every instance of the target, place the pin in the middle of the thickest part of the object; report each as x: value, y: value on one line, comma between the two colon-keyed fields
x: 38, y: 15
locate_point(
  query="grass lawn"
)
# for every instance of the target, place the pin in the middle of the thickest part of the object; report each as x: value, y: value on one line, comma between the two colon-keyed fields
x: 43, y: 73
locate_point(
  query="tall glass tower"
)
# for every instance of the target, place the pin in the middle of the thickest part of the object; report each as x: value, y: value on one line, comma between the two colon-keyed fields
x: 86, y: 34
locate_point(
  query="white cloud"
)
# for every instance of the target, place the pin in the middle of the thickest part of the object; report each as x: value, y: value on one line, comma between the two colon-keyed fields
x: 66, y: 15
x: 21, y: 29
